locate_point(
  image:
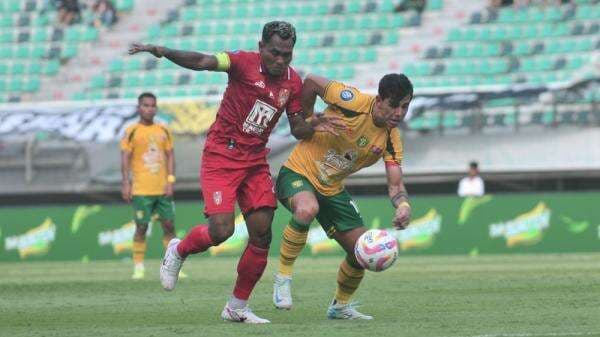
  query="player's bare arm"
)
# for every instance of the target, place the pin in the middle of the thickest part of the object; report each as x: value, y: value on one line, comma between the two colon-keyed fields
x: 312, y: 87
x: 170, y: 156
x: 187, y: 59
x: 398, y: 195
x: 125, y: 167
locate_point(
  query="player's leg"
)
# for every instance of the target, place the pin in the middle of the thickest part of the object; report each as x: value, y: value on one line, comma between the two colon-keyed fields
x: 142, y: 206
x: 165, y: 209
x: 257, y: 202
x: 166, y: 212
x: 219, y: 186
x: 297, y: 194
x: 342, y: 221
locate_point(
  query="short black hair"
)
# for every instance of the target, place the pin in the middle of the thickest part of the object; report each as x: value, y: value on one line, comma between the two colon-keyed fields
x: 474, y: 165
x: 284, y: 29
x: 395, y: 86
x: 145, y: 94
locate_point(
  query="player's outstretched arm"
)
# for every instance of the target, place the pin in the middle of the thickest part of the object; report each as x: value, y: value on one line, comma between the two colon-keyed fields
x: 398, y: 194
x: 304, y: 128
x: 187, y: 59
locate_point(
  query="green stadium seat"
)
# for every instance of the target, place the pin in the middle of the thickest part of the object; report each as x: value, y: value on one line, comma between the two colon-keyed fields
x: 18, y: 68
x: 149, y: 79
x: 124, y: 5
x: 22, y: 52
x: 131, y: 80
x: 16, y: 85
x: 32, y: 85
x: 154, y: 31
x: 369, y: 55
x: 98, y: 81
x: 69, y: 51
x: 133, y: 64
x: 35, y: 68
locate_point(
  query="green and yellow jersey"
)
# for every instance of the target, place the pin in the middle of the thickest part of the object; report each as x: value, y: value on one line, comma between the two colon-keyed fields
x: 147, y: 144
x: 326, y: 160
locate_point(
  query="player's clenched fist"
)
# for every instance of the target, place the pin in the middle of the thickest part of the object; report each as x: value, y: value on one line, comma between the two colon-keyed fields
x: 402, y: 216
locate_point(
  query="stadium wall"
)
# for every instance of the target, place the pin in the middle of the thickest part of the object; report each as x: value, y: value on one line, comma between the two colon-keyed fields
x: 509, y: 223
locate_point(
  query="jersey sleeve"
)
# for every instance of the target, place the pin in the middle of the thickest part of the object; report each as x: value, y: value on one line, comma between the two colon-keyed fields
x: 230, y: 62
x: 126, y: 141
x: 294, y: 105
x: 394, y: 151
x: 346, y: 97
x: 169, y: 138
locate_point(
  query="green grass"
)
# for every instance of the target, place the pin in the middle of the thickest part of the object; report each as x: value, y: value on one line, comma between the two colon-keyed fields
x: 491, y: 296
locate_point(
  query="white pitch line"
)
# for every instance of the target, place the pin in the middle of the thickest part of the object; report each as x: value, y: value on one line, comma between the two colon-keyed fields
x: 551, y: 334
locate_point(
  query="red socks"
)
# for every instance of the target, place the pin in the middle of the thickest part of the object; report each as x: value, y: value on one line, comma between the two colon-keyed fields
x: 250, y: 268
x: 197, y: 240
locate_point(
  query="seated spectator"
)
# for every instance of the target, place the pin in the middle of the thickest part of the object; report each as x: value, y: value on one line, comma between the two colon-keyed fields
x: 415, y: 5
x: 105, y: 13
x: 68, y: 11
x: 471, y: 185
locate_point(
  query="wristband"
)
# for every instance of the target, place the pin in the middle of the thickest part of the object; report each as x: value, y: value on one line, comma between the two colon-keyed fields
x: 404, y: 203
x: 171, y: 178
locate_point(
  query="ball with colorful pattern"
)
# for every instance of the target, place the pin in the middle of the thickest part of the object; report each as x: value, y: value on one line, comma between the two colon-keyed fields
x: 376, y: 250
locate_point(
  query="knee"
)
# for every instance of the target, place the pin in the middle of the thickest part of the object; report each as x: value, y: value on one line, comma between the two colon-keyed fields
x: 140, y: 229
x: 262, y: 239
x: 306, y: 213
x: 220, y: 231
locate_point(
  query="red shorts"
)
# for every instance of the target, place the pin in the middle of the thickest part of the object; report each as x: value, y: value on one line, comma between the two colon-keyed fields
x: 223, y: 181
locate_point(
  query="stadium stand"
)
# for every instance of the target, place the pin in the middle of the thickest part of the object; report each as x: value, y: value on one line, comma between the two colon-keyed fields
x: 501, y: 78
x: 33, y: 46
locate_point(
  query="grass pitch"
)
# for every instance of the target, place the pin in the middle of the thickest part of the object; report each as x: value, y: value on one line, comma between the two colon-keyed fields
x: 489, y: 296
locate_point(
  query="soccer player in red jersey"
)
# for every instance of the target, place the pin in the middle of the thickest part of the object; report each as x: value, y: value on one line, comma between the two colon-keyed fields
x: 234, y: 167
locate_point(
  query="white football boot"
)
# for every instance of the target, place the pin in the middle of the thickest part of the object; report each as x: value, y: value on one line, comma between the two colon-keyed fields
x: 243, y: 315
x: 282, y: 292
x: 171, y: 265
x: 345, y: 311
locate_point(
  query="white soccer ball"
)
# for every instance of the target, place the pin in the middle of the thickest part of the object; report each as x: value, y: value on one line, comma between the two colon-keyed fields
x: 376, y: 250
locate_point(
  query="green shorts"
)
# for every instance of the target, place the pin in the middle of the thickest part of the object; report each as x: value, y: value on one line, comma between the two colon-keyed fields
x: 336, y: 213
x: 146, y: 205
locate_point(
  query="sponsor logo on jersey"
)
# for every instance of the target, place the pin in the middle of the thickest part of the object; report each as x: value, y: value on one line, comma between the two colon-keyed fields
x: 376, y: 150
x: 259, y: 118
x: 297, y: 184
x: 346, y: 95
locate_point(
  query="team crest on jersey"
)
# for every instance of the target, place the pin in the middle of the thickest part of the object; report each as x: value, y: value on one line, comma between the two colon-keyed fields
x: 346, y: 95
x: 297, y: 184
x: 284, y: 95
x: 362, y: 141
x: 217, y: 197
x: 260, y: 84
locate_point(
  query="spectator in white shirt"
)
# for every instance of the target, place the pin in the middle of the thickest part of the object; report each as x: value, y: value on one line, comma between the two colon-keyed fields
x: 472, y: 185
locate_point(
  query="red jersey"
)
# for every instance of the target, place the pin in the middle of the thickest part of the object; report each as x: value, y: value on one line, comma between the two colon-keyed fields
x: 251, y: 106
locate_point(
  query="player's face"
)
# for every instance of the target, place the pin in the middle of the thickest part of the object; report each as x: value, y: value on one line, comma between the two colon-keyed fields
x: 147, y: 109
x: 390, y: 112
x: 276, y: 54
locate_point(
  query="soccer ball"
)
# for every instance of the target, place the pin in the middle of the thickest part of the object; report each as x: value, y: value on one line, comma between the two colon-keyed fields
x: 376, y: 250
